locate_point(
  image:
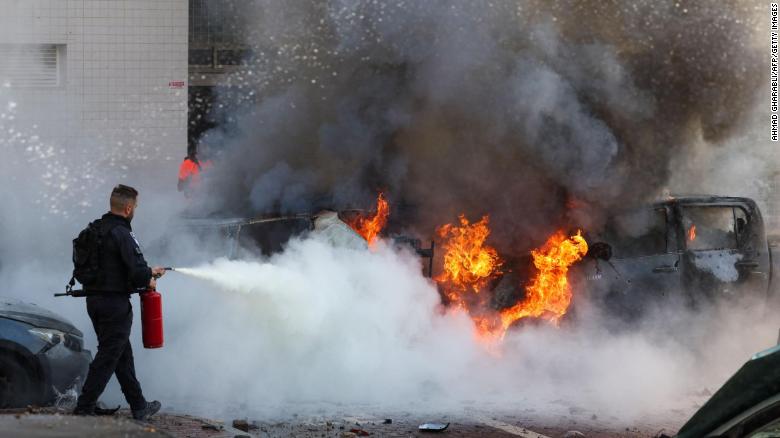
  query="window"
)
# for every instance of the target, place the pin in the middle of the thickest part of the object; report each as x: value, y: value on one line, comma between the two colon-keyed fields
x: 218, y: 22
x: 234, y: 57
x: 708, y: 228
x: 201, y: 57
x: 32, y: 65
x: 638, y: 233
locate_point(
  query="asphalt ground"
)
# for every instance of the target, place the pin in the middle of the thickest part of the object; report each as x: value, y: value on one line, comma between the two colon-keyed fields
x: 51, y: 423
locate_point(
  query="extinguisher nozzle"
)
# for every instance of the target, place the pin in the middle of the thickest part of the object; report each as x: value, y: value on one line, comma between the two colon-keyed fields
x: 168, y: 268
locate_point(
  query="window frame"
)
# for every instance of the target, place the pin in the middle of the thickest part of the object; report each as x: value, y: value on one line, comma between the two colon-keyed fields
x: 736, y: 242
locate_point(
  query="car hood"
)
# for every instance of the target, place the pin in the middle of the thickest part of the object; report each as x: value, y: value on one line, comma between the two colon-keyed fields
x: 37, y: 316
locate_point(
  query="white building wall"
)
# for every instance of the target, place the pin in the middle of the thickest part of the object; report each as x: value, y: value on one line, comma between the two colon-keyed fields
x: 122, y: 103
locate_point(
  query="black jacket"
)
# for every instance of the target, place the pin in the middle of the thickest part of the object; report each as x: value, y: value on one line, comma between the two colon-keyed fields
x: 123, y: 264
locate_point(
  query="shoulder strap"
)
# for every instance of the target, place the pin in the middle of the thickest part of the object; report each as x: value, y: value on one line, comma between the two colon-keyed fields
x: 105, y: 229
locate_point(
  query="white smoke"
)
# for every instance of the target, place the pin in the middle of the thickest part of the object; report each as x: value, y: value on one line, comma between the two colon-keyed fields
x: 322, y: 328
x: 314, y: 323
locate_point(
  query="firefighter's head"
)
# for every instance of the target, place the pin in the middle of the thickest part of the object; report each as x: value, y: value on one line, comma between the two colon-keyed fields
x: 123, y: 201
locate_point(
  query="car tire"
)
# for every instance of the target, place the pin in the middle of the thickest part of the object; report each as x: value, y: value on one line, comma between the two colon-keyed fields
x: 17, y: 387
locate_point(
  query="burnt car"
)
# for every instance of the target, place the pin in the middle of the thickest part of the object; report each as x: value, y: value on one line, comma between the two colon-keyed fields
x: 42, y: 355
x: 234, y: 237
x: 747, y: 405
x: 692, y: 248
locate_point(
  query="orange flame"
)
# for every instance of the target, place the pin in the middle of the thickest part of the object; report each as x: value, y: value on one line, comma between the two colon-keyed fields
x: 549, y: 294
x: 370, y: 227
x: 468, y: 262
x: 692, y: 233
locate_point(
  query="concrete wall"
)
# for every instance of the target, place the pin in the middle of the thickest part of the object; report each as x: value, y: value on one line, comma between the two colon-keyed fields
x: 122, y: 101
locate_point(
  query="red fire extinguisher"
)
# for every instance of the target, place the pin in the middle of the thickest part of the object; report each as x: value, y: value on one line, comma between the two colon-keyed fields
x: 151, y: 318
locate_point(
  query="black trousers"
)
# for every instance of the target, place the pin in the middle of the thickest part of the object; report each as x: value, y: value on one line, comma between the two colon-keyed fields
x: 112, y: 317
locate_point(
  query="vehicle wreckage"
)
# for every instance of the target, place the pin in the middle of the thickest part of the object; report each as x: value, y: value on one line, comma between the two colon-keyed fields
x: 688, y: 247
x: 693, y: 247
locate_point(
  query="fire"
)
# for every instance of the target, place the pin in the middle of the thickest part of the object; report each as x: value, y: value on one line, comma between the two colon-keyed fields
x: 549, y: 294
x: 468, y: 262
x: 370, y: 227
x: 692, y: 233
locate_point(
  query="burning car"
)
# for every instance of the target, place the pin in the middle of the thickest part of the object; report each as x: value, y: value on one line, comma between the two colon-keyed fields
x: 268, y: 234
x: 41, y: 355
x: 685, y: 247
x: 694, y: 248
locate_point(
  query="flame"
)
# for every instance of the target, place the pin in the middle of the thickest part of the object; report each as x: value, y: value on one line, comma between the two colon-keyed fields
x: 370, y: 227
x: 549, y: 294
x: 468, y: 262
x: 692, y: 233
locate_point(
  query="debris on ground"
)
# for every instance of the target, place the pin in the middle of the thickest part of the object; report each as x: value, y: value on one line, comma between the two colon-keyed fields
x: 242, y: 425
x: 359, y: 432
x: 574, y: 434
x: 211, y: 426
x: 433, y: 427
x: 67, y: 400
x: 388, y: 421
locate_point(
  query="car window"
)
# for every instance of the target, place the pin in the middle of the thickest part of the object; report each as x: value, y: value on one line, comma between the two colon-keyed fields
x: 638, y: 233
x: 708, y: 228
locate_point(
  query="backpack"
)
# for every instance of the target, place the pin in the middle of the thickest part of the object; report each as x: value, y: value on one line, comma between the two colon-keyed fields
x: 87, y: 253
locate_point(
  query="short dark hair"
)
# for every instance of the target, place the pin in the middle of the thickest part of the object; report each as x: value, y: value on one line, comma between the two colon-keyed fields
x: 121, y: 195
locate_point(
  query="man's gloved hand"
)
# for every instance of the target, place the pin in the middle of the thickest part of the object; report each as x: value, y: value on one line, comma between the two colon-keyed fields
x: 158, y: 271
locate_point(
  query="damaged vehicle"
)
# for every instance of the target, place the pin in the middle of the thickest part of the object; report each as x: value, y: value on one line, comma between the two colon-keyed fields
x: 691, y: 248
x: 267, y: 235
x: 42, y: 355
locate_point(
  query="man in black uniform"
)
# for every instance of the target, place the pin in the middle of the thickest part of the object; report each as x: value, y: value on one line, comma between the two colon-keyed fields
x: 123, y: 271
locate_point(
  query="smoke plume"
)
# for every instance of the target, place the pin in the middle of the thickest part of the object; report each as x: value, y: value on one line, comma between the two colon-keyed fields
x: 520, y: 110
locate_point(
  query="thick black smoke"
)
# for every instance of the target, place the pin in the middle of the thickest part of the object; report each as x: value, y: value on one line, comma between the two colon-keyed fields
x: 539, y: 113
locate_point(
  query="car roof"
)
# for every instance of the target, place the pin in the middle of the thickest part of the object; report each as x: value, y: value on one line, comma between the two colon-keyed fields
x: 704, y: 199
x: 239, y: 221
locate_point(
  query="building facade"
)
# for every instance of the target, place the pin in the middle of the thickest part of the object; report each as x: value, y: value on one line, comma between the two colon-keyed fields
x: 103, y: 78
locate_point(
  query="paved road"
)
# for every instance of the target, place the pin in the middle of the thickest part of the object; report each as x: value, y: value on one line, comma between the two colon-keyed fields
x: 61, y: 426
x: 49, y: 423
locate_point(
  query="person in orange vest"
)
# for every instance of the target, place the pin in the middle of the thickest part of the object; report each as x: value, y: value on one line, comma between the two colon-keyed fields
x: 189, y: 173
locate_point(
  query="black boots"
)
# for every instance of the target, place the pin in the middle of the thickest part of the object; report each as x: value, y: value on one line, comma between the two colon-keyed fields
x: 90, y: 412
x: 150, y: 409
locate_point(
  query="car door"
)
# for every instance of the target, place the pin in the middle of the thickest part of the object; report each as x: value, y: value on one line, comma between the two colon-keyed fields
x: 644, y: 267
x: 724, y: 252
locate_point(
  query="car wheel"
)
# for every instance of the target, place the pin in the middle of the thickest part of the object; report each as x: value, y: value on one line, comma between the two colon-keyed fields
x: 17, y: 387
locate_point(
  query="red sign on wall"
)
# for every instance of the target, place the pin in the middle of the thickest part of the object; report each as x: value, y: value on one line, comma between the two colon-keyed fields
x: 176, y: 84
